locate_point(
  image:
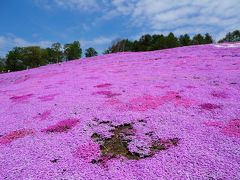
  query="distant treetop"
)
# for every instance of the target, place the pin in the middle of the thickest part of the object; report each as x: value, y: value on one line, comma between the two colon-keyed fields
x: 231, y: 37
x: 90, y: 52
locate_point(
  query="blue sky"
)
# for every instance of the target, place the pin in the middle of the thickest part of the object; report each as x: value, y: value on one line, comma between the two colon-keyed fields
x: 97, y: 22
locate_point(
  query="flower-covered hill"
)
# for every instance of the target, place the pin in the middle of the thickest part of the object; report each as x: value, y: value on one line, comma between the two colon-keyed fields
x: 172, y: 114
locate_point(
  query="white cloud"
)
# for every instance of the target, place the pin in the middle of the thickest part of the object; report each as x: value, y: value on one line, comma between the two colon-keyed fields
x: 96, y: 42
x: 199, y: 16
x: 214, y: 16
x: 80, y: 5
x: 10, y: 41
x: 77, y: 4
x: 3, y: 41
x: 99, y: 43
x: 186, y: 16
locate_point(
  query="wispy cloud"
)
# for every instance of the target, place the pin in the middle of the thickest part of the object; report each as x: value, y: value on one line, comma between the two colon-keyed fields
x: 184, y: 16
x: 77, y: 4
x: 98, y: 43
x: 154, y: 15
x: 81, y: 5
x: 9, y: 41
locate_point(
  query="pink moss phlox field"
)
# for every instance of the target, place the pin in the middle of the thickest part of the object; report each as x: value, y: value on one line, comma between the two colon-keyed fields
x: 232, y: 128
x: 107, y: 94
x: 22, y: 79
x: 88, y: 151
x: 14, y: 135
x: 209, y: 106
x: 43, y: 116
x: 168, y: 114
x: 20, y: 99
x: 214, y: 124
x: 147, y: 102
x: 219, y: 94
x: 103, y: 85
x: 49, y: 97
x: 62, y: 126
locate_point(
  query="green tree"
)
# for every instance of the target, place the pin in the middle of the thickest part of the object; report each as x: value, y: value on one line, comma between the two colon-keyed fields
x: 184, y: 40
x: 57, y: 54
x: 231, y: 37
x: 107, y: 51
x: 53, y: 54
x: 90, y: 52
x: 135, y: 46
x: 158, y: 42
x: 115, y: 45
x: 208, y: 39
x: 198, y: 39
x: 47, y: 55
x: 2, y: 64
x: 73, y: 50
x: 32, y: 56
x: 20, y: 58
x: 121, y: 45
x: 172, y: 41
x: 14, y: 59
x: 145, y: 42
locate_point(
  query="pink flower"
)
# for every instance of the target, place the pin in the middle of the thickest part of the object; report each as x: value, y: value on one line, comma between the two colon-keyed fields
x: 14, y: 135
x: 232, y: 128
x: 62, y: 126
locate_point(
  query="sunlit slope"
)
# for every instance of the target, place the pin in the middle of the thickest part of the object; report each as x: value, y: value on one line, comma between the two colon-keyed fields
x: 173, y: 113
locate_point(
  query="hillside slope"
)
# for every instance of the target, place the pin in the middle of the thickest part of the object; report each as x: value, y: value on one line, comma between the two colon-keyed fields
x: 172, y: 113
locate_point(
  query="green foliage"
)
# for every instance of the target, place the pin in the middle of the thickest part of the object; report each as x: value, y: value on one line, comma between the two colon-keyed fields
x: 2, y: 65
x: 158, y: 42
x: 90, y: 52
x: 145, y: 43
x: 135, y: 46
x: 184, y: 40
x: 119, y: 45
x: 57, y: 54
x: 208, y: 39
x: 73, y: 50
x: 32, y: 56
x: 172, y: 41
x: 198, y: 39
x: 107, y: 51
x: 20, y: 58
x: 53, y: 54
x: 231, y: 37
x: 14, y: 61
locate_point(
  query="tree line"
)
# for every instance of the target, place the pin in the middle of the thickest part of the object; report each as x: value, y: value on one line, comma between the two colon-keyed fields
x: 149, y: 42
x: 231, y: 37
x: 20, y: 58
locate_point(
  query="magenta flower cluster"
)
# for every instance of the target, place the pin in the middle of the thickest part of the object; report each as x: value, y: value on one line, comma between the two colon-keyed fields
x: 49, y: 116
